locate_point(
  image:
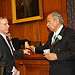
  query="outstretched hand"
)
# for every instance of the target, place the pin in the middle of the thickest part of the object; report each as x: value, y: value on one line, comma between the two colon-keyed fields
x: 26, y: 51
x: 32, y: 47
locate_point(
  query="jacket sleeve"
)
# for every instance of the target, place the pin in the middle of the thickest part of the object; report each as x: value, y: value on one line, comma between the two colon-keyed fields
x: 2, y: 62
x: 18, y: 53
x: 41, y: 48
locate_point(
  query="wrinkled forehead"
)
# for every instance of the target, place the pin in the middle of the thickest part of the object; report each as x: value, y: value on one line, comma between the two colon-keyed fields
x: 49, y: 16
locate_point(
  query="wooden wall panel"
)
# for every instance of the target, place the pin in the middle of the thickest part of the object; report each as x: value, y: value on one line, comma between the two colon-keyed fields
x: 35, y: 30
x: 6, y: 8
x: 0, y: 7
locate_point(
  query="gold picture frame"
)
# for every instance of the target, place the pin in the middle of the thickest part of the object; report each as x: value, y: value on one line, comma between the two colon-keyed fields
x: 17, y: 10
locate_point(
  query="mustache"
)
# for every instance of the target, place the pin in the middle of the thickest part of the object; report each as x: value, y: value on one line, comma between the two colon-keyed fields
x: 48, y: 26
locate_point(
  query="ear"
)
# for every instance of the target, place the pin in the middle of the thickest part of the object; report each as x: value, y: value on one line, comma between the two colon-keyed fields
x: 57, y: 21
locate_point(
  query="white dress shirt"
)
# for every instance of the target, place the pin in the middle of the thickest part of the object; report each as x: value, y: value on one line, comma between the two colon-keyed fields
x: 12, y: 45
x: 56, y: 34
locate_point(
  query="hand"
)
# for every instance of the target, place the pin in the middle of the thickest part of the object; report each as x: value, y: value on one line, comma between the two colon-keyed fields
x: 26, y: 51
x: 26, y: 45
x: 15, y: 71
x: 50, y: 56
x: 32, y: 47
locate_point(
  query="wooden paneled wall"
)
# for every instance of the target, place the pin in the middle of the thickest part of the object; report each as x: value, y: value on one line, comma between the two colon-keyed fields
x: 35, y: 30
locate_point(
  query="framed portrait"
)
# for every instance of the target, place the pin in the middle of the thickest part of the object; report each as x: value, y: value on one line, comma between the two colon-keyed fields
x: 26, y: 10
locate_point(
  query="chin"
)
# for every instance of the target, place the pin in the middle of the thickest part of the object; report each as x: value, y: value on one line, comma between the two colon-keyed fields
x: 50, y: 29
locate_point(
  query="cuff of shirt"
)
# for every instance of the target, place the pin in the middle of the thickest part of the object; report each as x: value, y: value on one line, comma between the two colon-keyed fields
x: 13, y: 69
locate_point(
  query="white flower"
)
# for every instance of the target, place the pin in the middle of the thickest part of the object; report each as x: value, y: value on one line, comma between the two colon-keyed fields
x: 59, y: 37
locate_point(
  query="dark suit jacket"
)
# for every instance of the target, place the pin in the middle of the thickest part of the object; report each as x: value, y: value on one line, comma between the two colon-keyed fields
x: 6, y: 58
x: 17, y: 43
x: 65, y: 50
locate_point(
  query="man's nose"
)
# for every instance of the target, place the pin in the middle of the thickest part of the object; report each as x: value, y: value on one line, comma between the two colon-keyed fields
x: 47, y: 23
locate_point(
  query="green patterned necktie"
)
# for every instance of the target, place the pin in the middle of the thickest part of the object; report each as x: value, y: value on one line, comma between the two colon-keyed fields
x: 55, y: 37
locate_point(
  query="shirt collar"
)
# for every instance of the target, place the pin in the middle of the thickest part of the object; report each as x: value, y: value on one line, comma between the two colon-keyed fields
x: 58, y: 31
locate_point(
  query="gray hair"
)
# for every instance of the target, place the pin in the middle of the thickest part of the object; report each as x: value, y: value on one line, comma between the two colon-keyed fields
x: 57, y: 15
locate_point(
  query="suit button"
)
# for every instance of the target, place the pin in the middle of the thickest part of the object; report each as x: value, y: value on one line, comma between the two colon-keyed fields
x: 3, y: 62
x: 58, y: 49
x: 49, y: 65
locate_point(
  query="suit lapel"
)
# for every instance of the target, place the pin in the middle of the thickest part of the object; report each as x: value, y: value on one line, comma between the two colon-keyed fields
x: 57, y: 41
x: 51, y: 34
x: 3, y: 40
x: 62, y: 31
x: 5, y: 43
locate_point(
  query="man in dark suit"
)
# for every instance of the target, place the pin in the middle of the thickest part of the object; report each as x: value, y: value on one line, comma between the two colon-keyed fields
x: 61, y: 42
x: 7, y: 56
x: 15, y: 42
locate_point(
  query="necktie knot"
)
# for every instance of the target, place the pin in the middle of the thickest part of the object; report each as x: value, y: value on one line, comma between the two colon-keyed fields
x: 9, y: 44
x: 55, y: 37
x: 7, y: 39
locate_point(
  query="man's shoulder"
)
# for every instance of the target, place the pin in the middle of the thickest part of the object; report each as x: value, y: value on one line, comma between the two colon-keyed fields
x: 68, y: 29
x: 51, y: 33
x: 1, y: 37
x: 69, y: 32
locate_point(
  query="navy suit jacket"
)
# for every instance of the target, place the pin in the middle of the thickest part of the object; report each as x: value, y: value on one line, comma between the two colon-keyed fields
x: 6, y: 58
x: 65, y: 50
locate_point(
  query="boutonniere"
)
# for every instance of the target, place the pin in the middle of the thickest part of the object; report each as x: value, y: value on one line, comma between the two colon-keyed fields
x: 59, y: 37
